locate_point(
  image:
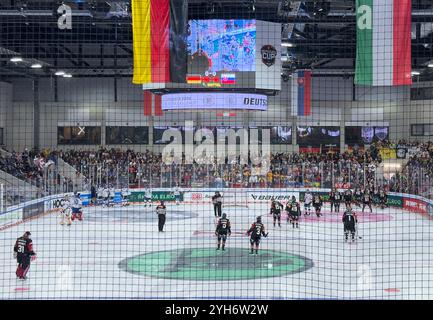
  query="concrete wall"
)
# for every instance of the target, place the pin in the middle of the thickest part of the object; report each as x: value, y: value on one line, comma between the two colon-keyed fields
x: 95, y: 101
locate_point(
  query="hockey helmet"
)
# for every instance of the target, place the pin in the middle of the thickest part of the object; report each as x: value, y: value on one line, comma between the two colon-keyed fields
x: 259, y: 219
x: 224, y: 216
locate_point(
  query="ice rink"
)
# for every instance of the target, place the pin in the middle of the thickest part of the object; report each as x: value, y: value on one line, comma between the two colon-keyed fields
x: 117, y: 253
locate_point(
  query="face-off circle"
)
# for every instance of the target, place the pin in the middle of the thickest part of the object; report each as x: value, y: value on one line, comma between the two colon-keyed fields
x: 207, y: 264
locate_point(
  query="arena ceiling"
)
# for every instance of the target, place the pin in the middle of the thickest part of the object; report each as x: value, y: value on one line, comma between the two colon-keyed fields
x: 318, y: 34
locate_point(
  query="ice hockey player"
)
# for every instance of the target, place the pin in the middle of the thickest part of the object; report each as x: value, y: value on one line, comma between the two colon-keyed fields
x: 65, y: 212
x: 348, y: 199
x: 161, y: 211
x: 357, y: 197
x: 256, y: 231
x: 337, y: 201
x: 293, y: 209
x: 332, y: 198
x: 223, y: 230
x: 349, y: 222
x: 383, y: 199
x: 23, y: 252
x: 217, y: 204
x: 147, y: 197
x: 276, y: 208
x: 125, y: 195
x: 176, y: 194
x: 111, y: 193
x: 106, y: 197
x: 76, y: 207
x: 317, y: 203
x: 308, y: 200
x: 366, y: 200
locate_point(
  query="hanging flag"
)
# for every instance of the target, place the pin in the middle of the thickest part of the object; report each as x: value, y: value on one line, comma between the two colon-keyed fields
x: 301, y: 93
x: 152, y: 104
x: 159, y: 28
x: 383, y: 49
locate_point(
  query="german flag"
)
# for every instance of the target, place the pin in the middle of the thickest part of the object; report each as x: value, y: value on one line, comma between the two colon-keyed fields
x: 159, y: 32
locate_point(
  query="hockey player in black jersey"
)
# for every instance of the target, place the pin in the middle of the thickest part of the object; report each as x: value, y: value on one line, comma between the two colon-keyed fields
x: 383, y: 199
x: 348, y: 199
x: 357, y: 197
x: 223, y: 230
x: 366, y: 200
x: 23, y: 252
x: 293, y: 209
x: 349, y: 222
x: 276, y: 208
x: 337, y: 201
x: 256, y: 231
x: 317, y: 204
x: 217, y: 204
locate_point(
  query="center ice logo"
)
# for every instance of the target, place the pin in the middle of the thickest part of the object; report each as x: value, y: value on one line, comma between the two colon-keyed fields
x: 205, y: 264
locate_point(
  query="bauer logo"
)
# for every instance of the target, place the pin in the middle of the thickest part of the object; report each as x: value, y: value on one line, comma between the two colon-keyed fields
x: 269, y: 54
x: 273, y: 197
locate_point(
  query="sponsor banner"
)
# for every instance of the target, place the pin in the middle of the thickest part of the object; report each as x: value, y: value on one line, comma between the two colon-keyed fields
x: 271, y: 196
x: 11, y: 217
x: 165, y: 196
x: 34, y: 209
x: 395, y: 201
x: 138, y: 196
x: 415, y: 205
x: 214, y: 100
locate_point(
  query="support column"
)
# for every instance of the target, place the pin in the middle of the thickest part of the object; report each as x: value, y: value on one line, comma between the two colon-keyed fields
x: 36, y: 115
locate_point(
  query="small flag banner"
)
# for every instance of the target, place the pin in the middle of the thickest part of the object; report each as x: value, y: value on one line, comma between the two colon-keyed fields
x: 152, y: 104
x: 301, y: 93
x: 383, y: 45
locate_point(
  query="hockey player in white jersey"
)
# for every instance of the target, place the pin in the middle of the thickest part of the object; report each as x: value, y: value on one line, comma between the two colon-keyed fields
x: 66, y: 212
x: 176, y: 194
x: 148, y: 197
x: 105, y: 197
x: 111, y: 194
x: 76, y: 208
x: 308, y: 200
x: 125, y: 194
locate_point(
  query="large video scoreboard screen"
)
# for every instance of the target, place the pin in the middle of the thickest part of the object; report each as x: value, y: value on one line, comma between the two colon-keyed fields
x: 221, y: 52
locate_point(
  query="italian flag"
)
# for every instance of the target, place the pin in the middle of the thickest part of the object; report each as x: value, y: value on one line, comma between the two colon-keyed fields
x: 383, y: 48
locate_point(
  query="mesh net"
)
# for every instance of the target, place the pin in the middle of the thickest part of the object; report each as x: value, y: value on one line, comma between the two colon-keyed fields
x: 119, y: 121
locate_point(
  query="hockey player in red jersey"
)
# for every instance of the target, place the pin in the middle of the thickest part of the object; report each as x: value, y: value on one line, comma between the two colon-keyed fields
x: 23, y: 252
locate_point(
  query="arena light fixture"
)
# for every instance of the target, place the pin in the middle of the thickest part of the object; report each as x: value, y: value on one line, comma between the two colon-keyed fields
x: 415, y: 73
x: 430, y: 65
x: 67, y: 75
x: 60, y: 73
x: 287, y: 44
x: 16, y: 59
x: 36, y: 66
